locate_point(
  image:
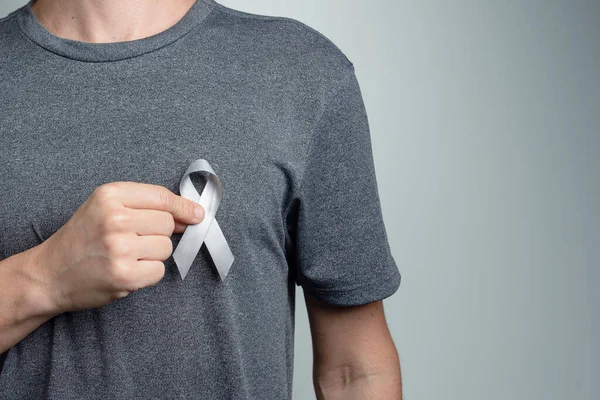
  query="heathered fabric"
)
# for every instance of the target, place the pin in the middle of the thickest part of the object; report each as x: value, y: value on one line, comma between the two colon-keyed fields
x: 276, y: 109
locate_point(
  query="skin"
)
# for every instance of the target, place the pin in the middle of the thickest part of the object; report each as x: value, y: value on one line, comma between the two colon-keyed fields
x: 117, y: 240
x: 115, y: 243
x: 106, y: 21
x: 354, y: 356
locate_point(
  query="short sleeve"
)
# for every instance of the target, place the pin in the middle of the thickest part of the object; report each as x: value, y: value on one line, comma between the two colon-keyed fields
x: 341, y: 253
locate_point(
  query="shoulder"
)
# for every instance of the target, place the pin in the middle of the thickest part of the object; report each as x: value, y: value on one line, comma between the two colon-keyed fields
x: 7, y: 24
x: 9, y: 29
x: 283, y: 40
x: 4, y: 20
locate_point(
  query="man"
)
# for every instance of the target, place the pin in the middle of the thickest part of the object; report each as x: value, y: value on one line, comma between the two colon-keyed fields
x: 104, y: 105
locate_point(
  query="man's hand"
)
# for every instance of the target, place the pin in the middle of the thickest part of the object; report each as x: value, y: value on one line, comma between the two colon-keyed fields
x: 354, y: 356
x: 114, y: 244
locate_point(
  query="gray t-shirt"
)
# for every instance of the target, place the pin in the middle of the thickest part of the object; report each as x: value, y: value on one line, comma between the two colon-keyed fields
x: 276, y: 109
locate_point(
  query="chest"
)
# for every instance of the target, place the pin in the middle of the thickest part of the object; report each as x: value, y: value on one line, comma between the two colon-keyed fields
x: 59, y: 141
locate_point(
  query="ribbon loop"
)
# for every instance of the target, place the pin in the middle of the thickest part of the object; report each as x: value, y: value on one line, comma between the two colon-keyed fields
x: 208, y: 231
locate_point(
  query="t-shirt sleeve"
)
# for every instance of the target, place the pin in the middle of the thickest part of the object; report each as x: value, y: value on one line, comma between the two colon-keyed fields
x: 341, y: 252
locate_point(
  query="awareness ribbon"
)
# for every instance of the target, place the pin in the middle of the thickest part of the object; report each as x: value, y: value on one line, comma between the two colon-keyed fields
x: 207, y: 231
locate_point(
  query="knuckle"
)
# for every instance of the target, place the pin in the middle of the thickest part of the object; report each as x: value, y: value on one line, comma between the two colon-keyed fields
x: 121, y: 294
x: 168, y: 246
x: 106, y: 191
x: 159, y: 272
x: 116, y: 220
x: 119, y: 274
x: 164, y: 197
x: 116, y: 245
x: 169, y: 221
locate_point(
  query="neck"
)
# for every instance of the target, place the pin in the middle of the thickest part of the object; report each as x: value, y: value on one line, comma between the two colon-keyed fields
x: 105, y: 21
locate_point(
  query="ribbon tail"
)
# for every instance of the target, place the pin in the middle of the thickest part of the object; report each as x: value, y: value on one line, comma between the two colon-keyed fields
x: 189, y: 245
x: 219, y: 249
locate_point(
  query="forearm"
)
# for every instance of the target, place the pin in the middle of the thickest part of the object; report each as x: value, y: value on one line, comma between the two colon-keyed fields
x: 354, y: 356
x: 23, y: 307
x: 350, y: 382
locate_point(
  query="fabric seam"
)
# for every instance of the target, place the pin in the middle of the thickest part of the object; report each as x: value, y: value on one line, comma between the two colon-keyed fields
x: 8, y: 17
x: 243, y: 14
x: 391, y: 280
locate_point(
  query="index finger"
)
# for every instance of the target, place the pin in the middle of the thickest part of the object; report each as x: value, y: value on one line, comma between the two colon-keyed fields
x: 155, y: 197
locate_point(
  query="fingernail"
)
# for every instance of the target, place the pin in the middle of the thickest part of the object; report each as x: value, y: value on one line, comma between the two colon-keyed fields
x: 199, y: 211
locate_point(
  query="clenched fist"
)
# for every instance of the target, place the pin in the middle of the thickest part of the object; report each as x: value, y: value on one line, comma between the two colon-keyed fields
x: 114, y: 244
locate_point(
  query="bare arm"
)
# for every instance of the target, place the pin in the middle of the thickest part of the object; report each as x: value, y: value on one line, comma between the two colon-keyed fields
x: 354, y: 356
x: 22, y: 305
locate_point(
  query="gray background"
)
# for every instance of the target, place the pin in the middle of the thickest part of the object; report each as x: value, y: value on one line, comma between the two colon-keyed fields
x: 485, y: 121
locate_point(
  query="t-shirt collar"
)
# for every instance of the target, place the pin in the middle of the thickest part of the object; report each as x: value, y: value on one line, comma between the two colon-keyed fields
x: 104, y: 52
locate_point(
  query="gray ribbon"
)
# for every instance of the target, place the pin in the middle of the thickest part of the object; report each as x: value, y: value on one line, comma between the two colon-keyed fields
x: 207, y: 231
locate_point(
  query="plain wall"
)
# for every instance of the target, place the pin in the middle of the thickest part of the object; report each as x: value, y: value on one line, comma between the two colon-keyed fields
x: 485, y: 125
